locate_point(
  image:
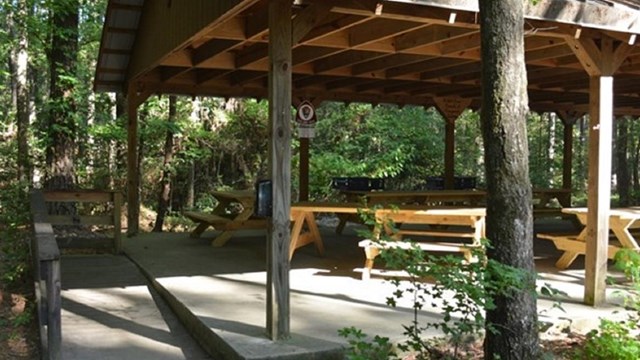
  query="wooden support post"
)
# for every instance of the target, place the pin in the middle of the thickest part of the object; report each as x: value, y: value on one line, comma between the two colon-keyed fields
x: 449, y: 152
x: 304, y: 170
x: 600, y: 61
x: 54, y: 306
x: 278, y: 236
x: 117, y: 225
x: 568, y: 120
x: 134, y: 99
x: 450, y: 108
x: 599, y: 191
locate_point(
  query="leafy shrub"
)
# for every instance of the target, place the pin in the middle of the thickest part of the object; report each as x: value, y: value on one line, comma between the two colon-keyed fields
x: 619, y: 340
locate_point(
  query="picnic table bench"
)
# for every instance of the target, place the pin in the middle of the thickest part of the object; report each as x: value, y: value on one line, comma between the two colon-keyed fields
x: 622, y: 222
x: 455, y: 224
x: 227, y: 221
x: 459, y: 223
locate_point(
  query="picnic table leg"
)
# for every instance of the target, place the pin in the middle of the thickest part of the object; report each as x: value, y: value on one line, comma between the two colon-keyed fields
x: 566, y: 259
x: 343, y: 222
x: 222, y: 239
x: 313, y: 228
x: 620, y: 228
x: 370, y: 253
x: 298, y: 221
x: 199, y: 230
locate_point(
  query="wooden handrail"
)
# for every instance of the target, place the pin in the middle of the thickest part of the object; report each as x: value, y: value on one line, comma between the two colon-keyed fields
x: 80, y: 196
x: 46, y: 258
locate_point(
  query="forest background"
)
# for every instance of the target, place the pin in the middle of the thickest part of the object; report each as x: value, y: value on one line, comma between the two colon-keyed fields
x: 55, y: 132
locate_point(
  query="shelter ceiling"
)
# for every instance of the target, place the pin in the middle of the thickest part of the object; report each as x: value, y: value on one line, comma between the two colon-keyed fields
x: 404, y: 52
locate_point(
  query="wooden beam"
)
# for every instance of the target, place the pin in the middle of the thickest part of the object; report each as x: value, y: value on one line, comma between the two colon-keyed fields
x: 308, y: 19
x: 163, y: 30
x: 280, y: 168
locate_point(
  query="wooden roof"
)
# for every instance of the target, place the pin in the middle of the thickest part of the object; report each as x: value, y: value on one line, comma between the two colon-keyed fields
x: 395, y: 51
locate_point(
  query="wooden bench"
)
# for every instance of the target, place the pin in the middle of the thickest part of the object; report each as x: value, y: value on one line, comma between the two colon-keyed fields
x: 541, y: 212
x: 573, y: 245
x: 222, y: 223
x: 372, y: 250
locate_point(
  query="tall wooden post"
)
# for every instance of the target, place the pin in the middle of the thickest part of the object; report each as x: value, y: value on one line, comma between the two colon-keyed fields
x: 450, y: 108
x: 303, y: 194
x: 600, y: 61
x: 134, y: 99
x: 568, y: 120
x: 280, y: 168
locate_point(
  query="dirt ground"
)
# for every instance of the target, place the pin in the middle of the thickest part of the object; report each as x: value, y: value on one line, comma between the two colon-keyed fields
x: 18, y: 333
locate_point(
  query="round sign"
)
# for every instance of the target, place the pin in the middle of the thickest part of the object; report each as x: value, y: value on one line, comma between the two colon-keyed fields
x: 306, y: 113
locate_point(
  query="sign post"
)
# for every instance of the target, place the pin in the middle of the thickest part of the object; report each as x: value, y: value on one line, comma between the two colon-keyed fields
x: 306, y: 119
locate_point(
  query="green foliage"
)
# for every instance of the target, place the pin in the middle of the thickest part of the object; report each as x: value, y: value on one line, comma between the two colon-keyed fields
x: 612, y: 340
x: 14, y: 248
x: 618, y: 339
x: 363, y: 348
x: 462, y: 290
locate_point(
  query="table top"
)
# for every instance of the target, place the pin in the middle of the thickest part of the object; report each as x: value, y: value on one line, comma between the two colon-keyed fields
x: 408, y: 193
x: 438, y: 211
x: 351, y: 207
x: 629, y: 212
x: 334, y: 207
x: 234, y: 194
x: 551, y: 191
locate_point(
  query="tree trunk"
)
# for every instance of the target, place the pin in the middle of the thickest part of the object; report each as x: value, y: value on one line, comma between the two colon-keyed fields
x: 62, y: 125
x: 22, y: 92
x: 623, y: 179
x: 509, y: 208
x: 165, y: 182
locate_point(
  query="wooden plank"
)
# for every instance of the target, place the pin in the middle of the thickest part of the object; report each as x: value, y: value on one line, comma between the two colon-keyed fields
x: 280, y: 58
x: 81, y: 220
x: 78, y: 196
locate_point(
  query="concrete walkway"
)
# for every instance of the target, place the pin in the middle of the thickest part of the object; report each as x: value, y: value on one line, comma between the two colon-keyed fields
x: 109, y: 311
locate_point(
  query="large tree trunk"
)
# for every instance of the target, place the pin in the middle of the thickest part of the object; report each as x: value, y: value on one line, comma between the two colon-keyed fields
x: 22, y: 92
x: 165, y: 183
x: 509, y: 208
x: 623, y: 179
x: 62, y: 125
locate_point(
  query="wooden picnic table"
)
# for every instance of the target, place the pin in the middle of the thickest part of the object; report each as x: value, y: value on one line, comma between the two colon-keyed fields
x: 543, y: 204
x: 304, y: 229
x: 472, y: 220
x: 443, y: 222
x: 621, y: 221
x: 226, y: 220
x: 431, y: 198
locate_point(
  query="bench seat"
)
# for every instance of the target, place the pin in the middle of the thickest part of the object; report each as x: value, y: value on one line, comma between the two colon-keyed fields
x: 573, y: 246
x: 221, y: 222
x: 372, y: 250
